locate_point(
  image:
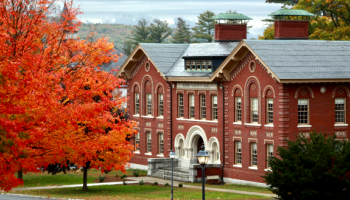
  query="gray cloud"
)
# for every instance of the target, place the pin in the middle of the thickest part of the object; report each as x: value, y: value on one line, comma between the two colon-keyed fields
x: 130, y: 11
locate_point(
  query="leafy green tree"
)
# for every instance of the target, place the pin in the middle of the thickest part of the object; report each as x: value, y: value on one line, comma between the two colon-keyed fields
x: 159, y: 30
x: 317, y: 167
x: 182, y: 32
x: 204, y: 28
x: 269, y: 33
x: 141, y: 34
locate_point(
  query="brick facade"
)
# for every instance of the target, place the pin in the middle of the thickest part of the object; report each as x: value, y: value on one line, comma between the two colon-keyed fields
x: 291, y: 29
x: 230, y: 32
x: 249, y: 79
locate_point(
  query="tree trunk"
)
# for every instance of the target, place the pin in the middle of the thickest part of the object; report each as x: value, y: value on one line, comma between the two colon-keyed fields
x: 20, y: 174
x: 85, y: 176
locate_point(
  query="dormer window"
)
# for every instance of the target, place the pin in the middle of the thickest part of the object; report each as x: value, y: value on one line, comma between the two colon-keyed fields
x: 195, y: 65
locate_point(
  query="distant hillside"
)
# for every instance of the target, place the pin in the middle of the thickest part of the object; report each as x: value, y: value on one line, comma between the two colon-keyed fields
x: 115, y: 32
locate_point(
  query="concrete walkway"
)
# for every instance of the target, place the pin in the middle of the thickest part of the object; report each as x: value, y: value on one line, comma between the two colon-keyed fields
x: 176, y: 183
x: 151, y: 180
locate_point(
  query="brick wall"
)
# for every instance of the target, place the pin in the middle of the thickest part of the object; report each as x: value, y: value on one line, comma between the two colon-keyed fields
x: 230, y: 32
x: 291, y: 29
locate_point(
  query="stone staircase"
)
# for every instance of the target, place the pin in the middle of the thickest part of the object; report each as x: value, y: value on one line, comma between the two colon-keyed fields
x: 179, y: 175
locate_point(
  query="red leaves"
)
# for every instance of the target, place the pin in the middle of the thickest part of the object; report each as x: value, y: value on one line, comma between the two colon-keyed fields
x: 48, y: 96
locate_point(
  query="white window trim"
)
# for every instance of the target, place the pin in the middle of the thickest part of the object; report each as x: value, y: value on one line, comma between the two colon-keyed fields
x: 341, y: 125
x: 148, y: 154
x: 160, y: 155
x: 269, y: 125
x: 251, y: 124
x: 237, y: 123
x: 240, y: 166
x: 308, y: 114
x: 255, y: 168
x: 160, y: 117
x: 137, y: 152
x: 197, y: 120
x: 147, y: 116
x: 304, y: 126
x: 267, y: 170
x: 136, y: 115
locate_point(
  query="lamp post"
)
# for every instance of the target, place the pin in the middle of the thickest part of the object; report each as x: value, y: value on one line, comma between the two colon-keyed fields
x: 172, y: 156
x: 203, y: 157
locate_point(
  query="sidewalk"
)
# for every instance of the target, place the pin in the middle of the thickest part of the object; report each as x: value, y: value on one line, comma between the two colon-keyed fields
x: 150, y: 180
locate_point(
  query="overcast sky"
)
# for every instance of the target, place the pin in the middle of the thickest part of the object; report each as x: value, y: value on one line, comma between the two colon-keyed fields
x: 130, y: 11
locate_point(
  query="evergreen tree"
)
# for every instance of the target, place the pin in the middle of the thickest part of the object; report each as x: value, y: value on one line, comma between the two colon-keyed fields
x: 317, y: 167
x: 141, y: 34
x: 128, y: 47
x: 159, y: 30
x: 204, y: 28
x: 182, y: 32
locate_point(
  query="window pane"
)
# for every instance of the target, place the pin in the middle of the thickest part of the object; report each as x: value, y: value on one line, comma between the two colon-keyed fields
x: 238, y: 109
x: 254, y: 154
x: 181, y: 105
x: 191, y: 104
x: 149, y: 104
x: 204, y: 64
x: 160, y: 108
x: 303, y: 111
x: 339, y: 110
x: 215, y: 107
x: 238, y: 153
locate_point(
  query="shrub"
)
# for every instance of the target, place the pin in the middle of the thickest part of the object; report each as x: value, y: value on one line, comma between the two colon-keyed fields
x: 101, y: 178
x: 124, y: 182
x: 136, y: 173
x: 166, y: 185
x: 315, y: 167
x: 116, y: 175
x: 122, y: 177
x: 141, y: 182
x: 180, y: 185
x: 155, y: 183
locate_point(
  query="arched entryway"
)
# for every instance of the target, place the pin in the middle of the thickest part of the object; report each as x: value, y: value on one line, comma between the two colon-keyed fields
x: 195, y: 138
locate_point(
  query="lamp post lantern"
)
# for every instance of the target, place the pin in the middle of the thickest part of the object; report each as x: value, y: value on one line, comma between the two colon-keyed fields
x: 203, y: 157
x: 172, y: 156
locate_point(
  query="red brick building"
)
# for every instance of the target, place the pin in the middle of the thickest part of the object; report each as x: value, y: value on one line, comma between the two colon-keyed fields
x: 240, y: 99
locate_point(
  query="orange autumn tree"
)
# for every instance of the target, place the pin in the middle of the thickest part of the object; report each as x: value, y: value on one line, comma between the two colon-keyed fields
x: 56, y: 104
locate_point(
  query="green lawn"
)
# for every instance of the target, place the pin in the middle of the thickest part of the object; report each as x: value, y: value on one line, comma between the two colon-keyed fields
x: 134, y: 192
x: 236, y: 187
x: 45, y: 179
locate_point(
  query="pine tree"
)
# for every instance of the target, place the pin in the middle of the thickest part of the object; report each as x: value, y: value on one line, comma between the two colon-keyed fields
x: 141, y: 34
x: 315, y: 167
x: 182, y: 32
x: 159, y: 30
x: 204, y: 28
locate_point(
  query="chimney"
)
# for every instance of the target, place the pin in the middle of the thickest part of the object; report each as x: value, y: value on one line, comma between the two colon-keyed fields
x: 235, y: 28
x: 291, y: 24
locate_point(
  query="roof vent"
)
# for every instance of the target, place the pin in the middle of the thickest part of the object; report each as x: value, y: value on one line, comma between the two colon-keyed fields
x: 291, y: 24
x: 234, y: 28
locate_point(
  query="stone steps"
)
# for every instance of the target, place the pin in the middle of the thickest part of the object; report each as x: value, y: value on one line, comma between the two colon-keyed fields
x: 166, y: 174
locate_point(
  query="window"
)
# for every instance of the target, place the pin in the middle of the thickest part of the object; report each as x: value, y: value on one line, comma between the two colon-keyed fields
x: 149, y: 142
x: 181, y: 151
x: 254, y: 155
x: 238, y: 153
x: 214, y: 107
x: 216, y: 154
x: 269, y: 111
x: 137, y: 141
x: 269, y: 148
x: 161, y: 144
x: 238, y: 110
x: 198, y: 65
x: 303, y: 111
x: 340, y: 111
x: 149, y: 104
x: 137, y: 103
x: 203, y: 114
x: 254, y: 111
x: 191, y: 106
x: 160, y: 104
x: 180, y: 105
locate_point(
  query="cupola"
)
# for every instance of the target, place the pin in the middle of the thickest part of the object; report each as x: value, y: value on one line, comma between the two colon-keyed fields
x: 234, y: 28
x: 291, y: 24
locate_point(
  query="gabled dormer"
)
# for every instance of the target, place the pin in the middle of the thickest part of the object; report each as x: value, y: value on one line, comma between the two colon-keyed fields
x: 202, y: 63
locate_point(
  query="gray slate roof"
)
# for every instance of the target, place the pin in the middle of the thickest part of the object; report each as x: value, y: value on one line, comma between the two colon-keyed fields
x: 304, y: 59
x: 168, y: 57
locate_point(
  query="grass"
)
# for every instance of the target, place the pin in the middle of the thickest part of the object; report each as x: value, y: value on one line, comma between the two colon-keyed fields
x: 45, y: 179
x: 236, y: 187
x: 134, y: 192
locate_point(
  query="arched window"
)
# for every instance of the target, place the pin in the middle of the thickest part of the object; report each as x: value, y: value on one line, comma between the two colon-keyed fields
x: 254, y: 103
x: 216, y: 152
x: 303, y: 107
x: 160, y: 101
x: 238, y: 105
x: 340, y: 94
x: 136, y: 100
x: 269, y: 106
x: 148, y: 98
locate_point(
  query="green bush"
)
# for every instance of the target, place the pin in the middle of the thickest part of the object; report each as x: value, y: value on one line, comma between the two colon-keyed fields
x: 141, y: 182
x: 122, y: 177
x: 155, y: 183
x: 180, y: 185
x: 166, y: 185
x: 124, y: 182
x: 101, y: 178
x: 315, y: 167
x: 136, y: 173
